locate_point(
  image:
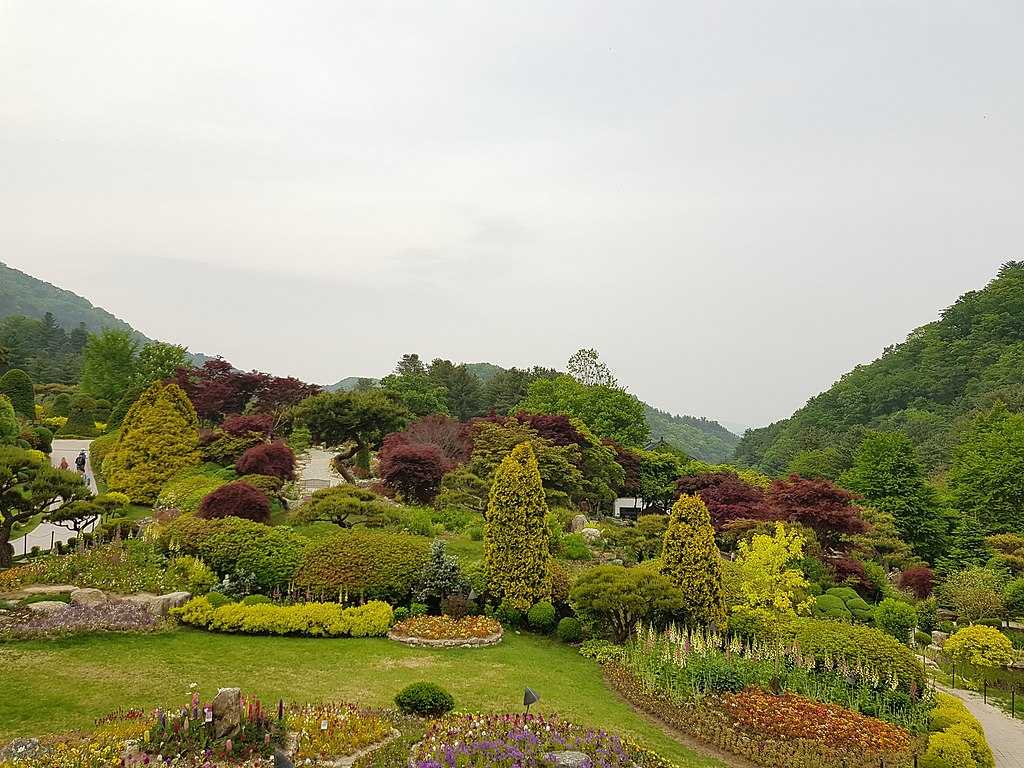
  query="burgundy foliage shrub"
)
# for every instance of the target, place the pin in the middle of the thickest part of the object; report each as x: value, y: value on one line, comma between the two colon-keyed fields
x: 728, y: 498
x: 236, y: 499
x: 630, y: 464
x: 415, y: 471
x: 217, y: 389
x: 819, y: 505
x: 554, y: 427
x: 451, y: 437
x: 850, y: 571
x: 274, y: 459
x: 919, y: 580
x: 238, y: 425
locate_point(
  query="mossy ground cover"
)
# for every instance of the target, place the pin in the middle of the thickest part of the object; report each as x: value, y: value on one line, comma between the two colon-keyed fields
x: 55, y: 685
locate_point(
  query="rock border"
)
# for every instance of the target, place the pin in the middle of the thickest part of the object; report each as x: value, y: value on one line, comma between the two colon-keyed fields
x: 459, y: 642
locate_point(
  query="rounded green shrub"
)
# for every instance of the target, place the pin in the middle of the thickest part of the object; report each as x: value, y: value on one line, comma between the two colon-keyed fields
x: 82, y: 419
x: 541, y: 617
x: 979, y: 645
x: 187, y: 489
x: 509, y: 613
x: 218, y: 599
x: 368, y: 563
x: 17, y: 385
x: 61, y: 405
x: 947, y: 750
x: 425, y: 700
x: 980, y: 750
x: 846, y: 594
x: 831, y: 607
x: 256, y: 600
x: 570, y: 630
x: 896, y: 618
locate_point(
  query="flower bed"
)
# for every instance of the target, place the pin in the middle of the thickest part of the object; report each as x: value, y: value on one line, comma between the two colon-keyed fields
x: 113, y: 617
x: 784, y: 730
x: 348, y: 730
x: 446, y: 632
x: 503, y: 741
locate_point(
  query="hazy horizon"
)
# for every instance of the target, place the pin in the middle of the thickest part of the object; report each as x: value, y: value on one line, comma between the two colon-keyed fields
x: 734, y: 203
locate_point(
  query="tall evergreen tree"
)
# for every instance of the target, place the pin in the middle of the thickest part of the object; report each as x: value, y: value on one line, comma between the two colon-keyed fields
x: 692, y: 561
x: 887, y: 473
x: 515, y: 536
x: 159, y: 437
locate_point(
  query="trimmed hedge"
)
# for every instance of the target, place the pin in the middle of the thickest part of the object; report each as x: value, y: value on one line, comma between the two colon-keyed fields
x: 373, y: 564
x: 310, y: 619
x: 230, y: 545
x: 957, y: 739
x: 818, y: 637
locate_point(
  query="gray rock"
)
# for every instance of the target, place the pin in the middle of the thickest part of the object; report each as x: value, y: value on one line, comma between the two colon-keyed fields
x: 48, y: 606
x: 590, y: 535
x: 938, y: 638
x: 19, y: 749
x: 568, y: 759
x: 579, y: 522
x: 159, y: 605
x: 227, y: 712
x: 90, y: 598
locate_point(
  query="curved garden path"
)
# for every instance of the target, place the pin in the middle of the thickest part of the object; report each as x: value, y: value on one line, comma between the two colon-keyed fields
x: 1004, y: 735
x: 45, y: 535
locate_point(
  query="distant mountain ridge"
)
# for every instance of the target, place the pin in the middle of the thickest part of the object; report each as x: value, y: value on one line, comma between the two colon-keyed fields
x: 699, y: 437
x: 22, y: 294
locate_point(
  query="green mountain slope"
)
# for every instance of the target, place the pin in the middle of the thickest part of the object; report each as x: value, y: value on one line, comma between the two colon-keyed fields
x: 22, y: 294
x: 699, y: 437
x: 970, y: 357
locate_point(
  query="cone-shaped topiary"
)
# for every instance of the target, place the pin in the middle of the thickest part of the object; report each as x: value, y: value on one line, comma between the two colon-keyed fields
x: 159, y: 438
x: 516, y: 537
x: 17, y: 385
x: 691, y: 560
x: 82, y: 417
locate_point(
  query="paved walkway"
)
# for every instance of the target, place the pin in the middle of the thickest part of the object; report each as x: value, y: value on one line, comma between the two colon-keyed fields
x: 1004, y: 735
x: 46, y: 535
x: 317, y: 471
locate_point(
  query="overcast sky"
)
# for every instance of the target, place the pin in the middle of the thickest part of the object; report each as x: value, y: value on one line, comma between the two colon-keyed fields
x: 734, y: 202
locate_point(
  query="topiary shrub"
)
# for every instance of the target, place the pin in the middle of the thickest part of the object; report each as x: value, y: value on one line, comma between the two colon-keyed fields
x: 372, y: 619
x: 256, y: 600
x: 979, y: 645
x: 236, y: 499
x: 692, y: 562
x: 831, y: 607
x: 541, y: 617
x: 274, y: 459
x: 857, y: 644
x: 570, y: 630
x: 218, y: 599
x: 425, y: 700
x: 61, y: 405
x: 516, y: 544
x: 17, y: 385
x: 269, y: 557
x: 82, y: 419
x: 896, y: 618
x: 947, y: 750
x: 369, y: 563
x: 158, y: 439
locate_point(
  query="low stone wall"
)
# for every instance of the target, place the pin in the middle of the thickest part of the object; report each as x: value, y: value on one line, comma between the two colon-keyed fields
x: 464, y: 642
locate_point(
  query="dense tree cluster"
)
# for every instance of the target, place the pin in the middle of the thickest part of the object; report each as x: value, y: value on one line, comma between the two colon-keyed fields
x: 42, y: 348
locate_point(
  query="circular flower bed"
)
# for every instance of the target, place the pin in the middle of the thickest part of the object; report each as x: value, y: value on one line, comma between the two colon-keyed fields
x: 501, y: 741
x: 446, y: 632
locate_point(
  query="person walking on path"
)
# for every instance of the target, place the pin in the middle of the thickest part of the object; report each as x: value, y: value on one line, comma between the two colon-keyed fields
x: 80, y: 462
x: 64, y: 464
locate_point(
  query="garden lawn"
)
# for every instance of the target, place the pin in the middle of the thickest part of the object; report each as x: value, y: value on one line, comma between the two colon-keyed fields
x: 55, y: 685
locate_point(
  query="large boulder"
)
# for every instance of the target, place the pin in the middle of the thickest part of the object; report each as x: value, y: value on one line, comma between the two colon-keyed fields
x: 159, y: 605
x: 19, y: 749
x: 48, y: 606
x: 590, y: 535
x: 91, y: 598
x: 227, y: 712
x: 579, y: 522
x: 939, y: 638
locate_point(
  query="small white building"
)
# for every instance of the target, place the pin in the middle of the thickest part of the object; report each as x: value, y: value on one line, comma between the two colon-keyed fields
x: 628, y: 508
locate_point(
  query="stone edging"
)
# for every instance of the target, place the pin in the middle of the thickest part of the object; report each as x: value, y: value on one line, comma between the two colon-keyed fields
x: 464, y: 642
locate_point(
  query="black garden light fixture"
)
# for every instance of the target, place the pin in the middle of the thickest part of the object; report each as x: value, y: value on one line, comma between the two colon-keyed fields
x: 530, y: 696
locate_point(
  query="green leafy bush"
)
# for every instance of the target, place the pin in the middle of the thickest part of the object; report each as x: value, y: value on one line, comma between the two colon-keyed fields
x: 98, y: 450
x: 573, y: 547
x: 82, y: 419
x: 855, y: 642
x: 17, y: 385
x: 372, y: 619
x: 425, y: 700
x: 186, y: 490
x: 193, y: 574
x: 831, y: 607
x: 509, y: 613
x: 601, y: 651
x: 369, y: 563
x: 979, y: 645
x: 570, y: 630
x: 541, y: 617
x: 268, y: 556
x: 256, y: 600
x: 218, y: 599
x: 896, y: 618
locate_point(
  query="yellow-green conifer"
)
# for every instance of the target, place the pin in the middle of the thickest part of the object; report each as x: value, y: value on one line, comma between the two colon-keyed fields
x: 159, y: 438
x: 691, y: 560
x: 515, y: 537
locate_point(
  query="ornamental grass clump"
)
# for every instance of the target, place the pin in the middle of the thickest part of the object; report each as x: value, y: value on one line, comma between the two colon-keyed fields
x: 522, y: 741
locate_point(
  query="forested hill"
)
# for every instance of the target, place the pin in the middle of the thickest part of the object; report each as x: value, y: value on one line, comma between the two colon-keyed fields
x: 699, y: 437
x: 969, y: 358
x: 22, y: 294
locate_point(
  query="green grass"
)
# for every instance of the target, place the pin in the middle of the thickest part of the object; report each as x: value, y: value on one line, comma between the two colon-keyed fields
x: 67, y: 683
x: 24, y: 529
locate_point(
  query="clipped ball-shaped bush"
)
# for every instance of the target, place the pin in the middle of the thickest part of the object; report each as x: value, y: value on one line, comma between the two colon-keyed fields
x: 570, y: 630
x: 425, y: 700
x: 831, y: 607
x: 541, y: 617
x: 979, y: 645
x: 256, y: 600
x: 274, y: 459
x: 947, y: 750
x: 17, y: 385
x: 896, y: 618
x: 236, y: 499
x: 61, y: 405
